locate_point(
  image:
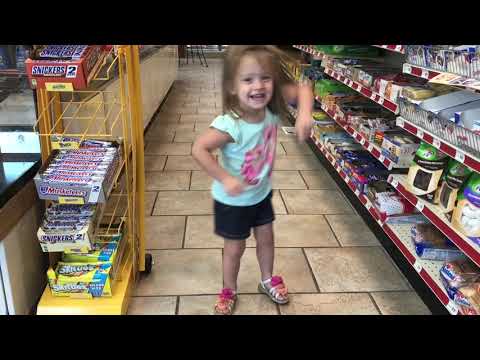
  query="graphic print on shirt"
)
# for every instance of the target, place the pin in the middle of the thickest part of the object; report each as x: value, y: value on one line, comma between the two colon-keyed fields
x: 260, y: 159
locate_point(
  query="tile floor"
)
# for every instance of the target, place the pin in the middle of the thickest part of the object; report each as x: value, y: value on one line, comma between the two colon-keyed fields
x: 330, y: 260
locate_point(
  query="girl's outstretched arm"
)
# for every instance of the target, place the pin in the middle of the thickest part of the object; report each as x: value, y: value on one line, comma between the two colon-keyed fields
x: 301, y: 94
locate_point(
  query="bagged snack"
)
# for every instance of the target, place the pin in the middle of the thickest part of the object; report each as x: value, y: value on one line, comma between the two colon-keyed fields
x: 466, y: 214
x: 431, y: 244
x: 461, y: 280
x: 425, y: 172
x: 454, y: 177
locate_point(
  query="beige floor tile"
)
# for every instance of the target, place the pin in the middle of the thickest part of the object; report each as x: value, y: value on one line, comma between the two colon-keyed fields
x: 183, y: 162
x: 318, y: 179
x: 287, y: 180
x: 212, y: 111
x: 282, y: 137
x: 167, y: 180
x: 183, y: 272
x: 354, y: 270
x: 158, y: 148
x: 197, y: 305
x: 180, y: 110
x: 164, y: 232
x: 303, y: 231
x: 289, y: 263
x: 161, y: 130
x: 329, y: 304
x: 185, y: 136
x: 175, y: 127
x: 200, y: 181
x: 164, y: 137
x: 246, y: 305
x: 400, y: 303
x: 293, y: 148
x: 351, y: 230
x: 207, y: 102
x: 304, y: 162
x: 164, y: 305
x: 280, y: 151
x: 163, y: 118
x: 183, y: 203
x: 197, y: 118
x: 150, y: 198
x: 154, y: 162
x: 199, y: 234
x: 277, y: 203
x: 315, y: 202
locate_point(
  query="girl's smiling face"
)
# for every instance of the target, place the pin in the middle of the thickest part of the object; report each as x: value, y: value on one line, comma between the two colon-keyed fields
x: 253, y: 85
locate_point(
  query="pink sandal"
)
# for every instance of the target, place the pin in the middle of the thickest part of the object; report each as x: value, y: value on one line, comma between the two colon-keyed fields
x: 277, y: 292
x: 226, y: 302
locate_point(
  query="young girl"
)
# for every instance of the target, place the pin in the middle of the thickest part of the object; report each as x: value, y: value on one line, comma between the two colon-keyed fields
x: 256, y: 88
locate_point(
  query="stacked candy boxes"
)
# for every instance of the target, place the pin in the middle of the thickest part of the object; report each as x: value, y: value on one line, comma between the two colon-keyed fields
x: 78, y: 179
x: 64, y: 64
x: 358, y: 164
x: 85, y: 275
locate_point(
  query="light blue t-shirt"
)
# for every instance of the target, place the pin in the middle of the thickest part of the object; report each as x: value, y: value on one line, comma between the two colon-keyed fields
x: 250, y: 157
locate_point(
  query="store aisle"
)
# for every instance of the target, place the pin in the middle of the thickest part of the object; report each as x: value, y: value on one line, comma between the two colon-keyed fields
x: 330, y: 260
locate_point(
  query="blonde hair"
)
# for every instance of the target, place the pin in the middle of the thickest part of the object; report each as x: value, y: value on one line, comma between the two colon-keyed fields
x: 269, y: 57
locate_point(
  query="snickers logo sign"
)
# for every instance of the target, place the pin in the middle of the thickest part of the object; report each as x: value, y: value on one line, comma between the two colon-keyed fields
x: 49, y: 70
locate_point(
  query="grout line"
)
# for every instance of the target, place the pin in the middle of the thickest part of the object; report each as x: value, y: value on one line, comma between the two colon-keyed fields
x: 177, y: 305
x: 257, y: 293
x: 184, y: 233
x: 278, y: 309
x: 165, y: 164
x: 190, y: 182
x: 283, y: 202
x: 154, y: 203
x: 333, y: 231
x: 311, y: 270
x: 374, y: 303
x: 305, y: 181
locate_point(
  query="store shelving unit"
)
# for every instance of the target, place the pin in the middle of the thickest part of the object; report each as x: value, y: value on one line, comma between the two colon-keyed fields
x: 399, y: 234
x: 395, y: 48
x: 112, y: 116
x: 437, y: 218
x: 309, y: 49
x: 449, y: 149
x: 419, y: 71
x: 372, y: 95
x: 372, y: 148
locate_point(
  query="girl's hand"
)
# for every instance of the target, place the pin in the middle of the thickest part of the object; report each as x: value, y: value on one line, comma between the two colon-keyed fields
x: 233, y: 186
x: 303, y: 126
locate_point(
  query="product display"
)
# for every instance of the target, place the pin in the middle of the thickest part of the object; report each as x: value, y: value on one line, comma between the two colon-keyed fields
x: 426, y: 171
x: 78, y: 176
x: 80, y: 279
x: 454, y: 177
x: 466, y: 214
x: 59, y: 65
x: 461, y: 280
x: 439, y: 174
x: 431, y: 244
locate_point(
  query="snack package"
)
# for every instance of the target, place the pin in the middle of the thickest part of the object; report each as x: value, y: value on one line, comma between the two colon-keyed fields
x: 101, y: 252
x: 82, y: 280
x: 425, y: 172
x: 64, y: 67
x: 454, y: 177
x: 431, y: 244
x: 461, y: 280
x: 466, y: 214
x: 400, y: 149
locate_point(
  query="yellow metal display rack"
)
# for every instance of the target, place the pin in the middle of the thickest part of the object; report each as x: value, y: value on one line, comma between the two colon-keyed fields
x: 63, y: 118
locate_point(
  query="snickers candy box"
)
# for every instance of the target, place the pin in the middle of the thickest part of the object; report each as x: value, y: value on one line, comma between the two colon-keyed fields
x: 64, y: 67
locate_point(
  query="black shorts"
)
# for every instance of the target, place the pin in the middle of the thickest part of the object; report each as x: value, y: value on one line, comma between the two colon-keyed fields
x: 235, y: 222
